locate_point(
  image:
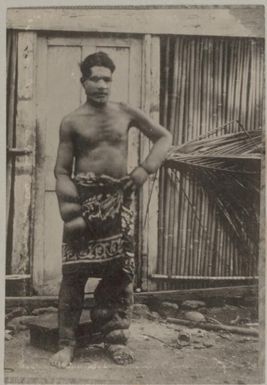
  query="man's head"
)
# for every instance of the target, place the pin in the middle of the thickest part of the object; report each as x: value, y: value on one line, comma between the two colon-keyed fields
x: 96, y: 77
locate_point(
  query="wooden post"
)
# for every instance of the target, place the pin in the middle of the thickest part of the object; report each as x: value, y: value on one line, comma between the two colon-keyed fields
x: 148, y: 224
x: 24, y: 164
x: 144, y: 149
x: 153, y: 208
x: 41, y: 116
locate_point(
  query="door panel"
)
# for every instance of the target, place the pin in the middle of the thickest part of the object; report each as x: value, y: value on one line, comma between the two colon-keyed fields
x: 63, y: 96
x: 59, y: 92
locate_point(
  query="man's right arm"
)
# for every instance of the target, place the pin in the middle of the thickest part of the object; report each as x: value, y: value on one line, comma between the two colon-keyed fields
x: 68, y: 197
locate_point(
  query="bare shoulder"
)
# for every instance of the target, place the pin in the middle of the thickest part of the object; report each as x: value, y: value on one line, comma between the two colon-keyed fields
x: 126, y: 107
x: 130, y: 111
x: 69, y: 120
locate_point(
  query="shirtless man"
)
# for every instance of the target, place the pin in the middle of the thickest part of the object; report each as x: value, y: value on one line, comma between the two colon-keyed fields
x: 95, y: 205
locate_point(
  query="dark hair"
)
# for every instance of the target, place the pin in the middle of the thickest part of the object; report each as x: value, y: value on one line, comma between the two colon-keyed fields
x: 96, y: 59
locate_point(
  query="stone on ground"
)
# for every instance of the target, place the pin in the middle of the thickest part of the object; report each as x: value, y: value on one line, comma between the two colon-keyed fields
x: 194, y: 316
x: 19, y: 323
x: 16, y: 312
x: 8, y: 335
x: 192, y: 305
x: 168, y: 309
x: 42, y: 310
x: 140, y: 310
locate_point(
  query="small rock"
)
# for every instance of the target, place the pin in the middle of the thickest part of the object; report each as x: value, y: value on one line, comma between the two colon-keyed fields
x: 140, y: 310
x: 42, y: 310
x: 244, y: 339
x: 203, y: 310
x: 208, y: 344
x: 194, y: 316
x: 18, y: 311
x: 8, y: 335
x: 225, y: 336
x: 183, y: 339
x: 19, y: 323
x: 192, y: 305
x: 200, y: 333
x: 153, y: 316
x: 168, y: 309
x: 15, y: 326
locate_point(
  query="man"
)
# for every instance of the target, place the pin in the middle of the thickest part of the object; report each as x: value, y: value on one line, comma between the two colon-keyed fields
x: 94, y: 194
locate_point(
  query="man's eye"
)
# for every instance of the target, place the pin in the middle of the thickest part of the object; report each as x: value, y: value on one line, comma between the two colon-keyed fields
x: 107, y: 80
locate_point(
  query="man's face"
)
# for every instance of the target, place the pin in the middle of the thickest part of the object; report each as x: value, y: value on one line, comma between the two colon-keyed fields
x: 97, y: 86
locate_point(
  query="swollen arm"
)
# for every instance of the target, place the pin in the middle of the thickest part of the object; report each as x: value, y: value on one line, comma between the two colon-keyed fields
x: 67, y: 194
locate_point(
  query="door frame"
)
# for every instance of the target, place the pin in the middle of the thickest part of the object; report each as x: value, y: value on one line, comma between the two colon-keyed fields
x: 148, y: 203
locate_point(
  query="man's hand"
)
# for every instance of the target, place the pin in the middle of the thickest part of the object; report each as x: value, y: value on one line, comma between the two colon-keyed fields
x: 137, y: 178
x: 75, y: 228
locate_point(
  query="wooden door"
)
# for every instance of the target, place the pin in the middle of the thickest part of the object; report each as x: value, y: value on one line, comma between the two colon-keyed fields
x: 59, y: 92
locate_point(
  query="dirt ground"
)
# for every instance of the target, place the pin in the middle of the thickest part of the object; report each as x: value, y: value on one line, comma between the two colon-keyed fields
x: 210, y: 358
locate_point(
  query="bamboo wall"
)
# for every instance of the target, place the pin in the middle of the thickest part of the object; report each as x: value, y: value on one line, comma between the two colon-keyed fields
x: 206, y: 82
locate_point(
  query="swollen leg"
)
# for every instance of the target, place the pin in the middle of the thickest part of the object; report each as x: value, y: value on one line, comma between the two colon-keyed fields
x: 114, y: 298
x: 117, y: 330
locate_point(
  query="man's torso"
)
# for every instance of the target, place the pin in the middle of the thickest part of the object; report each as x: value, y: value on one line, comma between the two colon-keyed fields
x: 100, y: 138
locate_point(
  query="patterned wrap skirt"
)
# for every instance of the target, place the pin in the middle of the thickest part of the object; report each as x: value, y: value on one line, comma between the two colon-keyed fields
x: 107, y: 211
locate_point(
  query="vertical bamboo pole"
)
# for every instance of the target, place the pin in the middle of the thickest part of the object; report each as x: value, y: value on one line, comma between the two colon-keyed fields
x: 178, y: 140
x: 163, y: 178
x: 220, y: 83
x: 169, y: 195
x: 240, y: 71
x: 176, y: 225
x: 184, y: 139
x: 169, y: 248
x: 258, y: 87
x: 253, y: 85
x: 225, y: 78
x: 197, y: 228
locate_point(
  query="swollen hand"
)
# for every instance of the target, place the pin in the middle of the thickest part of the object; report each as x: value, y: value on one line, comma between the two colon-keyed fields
x: 75, y: 227
x: 137, y: 178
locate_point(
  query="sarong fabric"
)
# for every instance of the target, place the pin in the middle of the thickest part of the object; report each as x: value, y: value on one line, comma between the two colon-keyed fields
x: 106, y: 209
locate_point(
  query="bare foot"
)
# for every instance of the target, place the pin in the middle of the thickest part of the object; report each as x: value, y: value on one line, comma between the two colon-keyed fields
x: 120, y: 354
x: 62, y: 358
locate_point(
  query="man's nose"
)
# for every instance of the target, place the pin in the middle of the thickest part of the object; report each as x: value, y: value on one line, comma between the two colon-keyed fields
x: 102, y: 83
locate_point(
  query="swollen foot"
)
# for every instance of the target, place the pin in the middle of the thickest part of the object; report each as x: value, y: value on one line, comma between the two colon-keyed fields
x: 120, y: 354
x: 62, y: 358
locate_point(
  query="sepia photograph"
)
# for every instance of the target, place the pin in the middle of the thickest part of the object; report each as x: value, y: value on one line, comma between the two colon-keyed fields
x: 135, y: 194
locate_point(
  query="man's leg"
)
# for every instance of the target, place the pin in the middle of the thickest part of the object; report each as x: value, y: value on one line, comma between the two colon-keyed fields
x: 71, y: 296
x: 112, y: 313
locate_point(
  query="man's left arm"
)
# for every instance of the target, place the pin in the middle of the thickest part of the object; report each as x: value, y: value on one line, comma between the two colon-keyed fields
x: 161, y: 139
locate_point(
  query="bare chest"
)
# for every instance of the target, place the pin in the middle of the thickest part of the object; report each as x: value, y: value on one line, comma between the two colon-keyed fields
x: 92, y: 131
